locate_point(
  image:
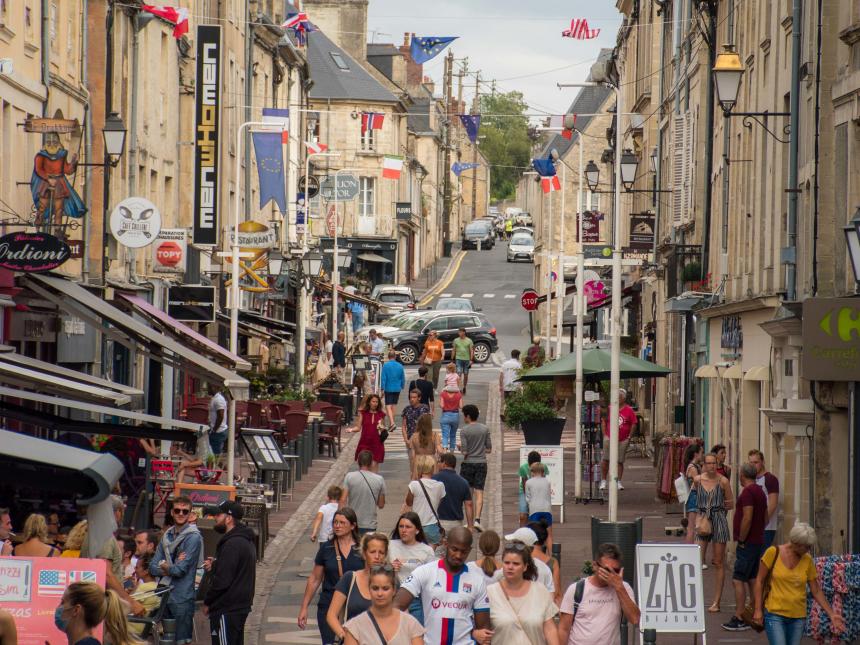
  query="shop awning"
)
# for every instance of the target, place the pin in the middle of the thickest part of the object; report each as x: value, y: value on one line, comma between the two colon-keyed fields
x: 735, y: 372
x: 346, y: 295
x: 373, y: 257
x: 183, y: 332
x: 758, y: 373
x: 28, y: 461
x: 26, y: 372
x: 707, y: 371
x: 279, y: 326
x: 116, y: 324
x: 247, y: 329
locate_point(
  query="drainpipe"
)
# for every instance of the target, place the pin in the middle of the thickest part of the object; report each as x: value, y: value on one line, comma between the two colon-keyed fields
x: 249, y: 76
x: 676, y: 18
x: 136, y: 25
x: 791, y: 235
x: 88, y: 144
x: 46, y: 54
x: 709, y: 136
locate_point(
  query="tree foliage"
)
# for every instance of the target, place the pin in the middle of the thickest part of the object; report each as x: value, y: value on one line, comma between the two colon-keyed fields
x: 506, y: 141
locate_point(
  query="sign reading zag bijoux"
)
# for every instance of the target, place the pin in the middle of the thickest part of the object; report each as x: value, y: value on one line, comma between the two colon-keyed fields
x: 207, y: 126
x: 32, y: 252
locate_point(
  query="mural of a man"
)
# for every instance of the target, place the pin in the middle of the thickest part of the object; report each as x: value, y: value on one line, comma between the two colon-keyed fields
x: 53, y: 194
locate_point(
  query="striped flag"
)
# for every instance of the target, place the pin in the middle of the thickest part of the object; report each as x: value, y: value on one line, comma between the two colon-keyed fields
x: 51, y: 582
x: 550, y: 184
x: 391, y: 167
x: 278, y: 117
x: 177, y: 16
x: 315, y: 148
x: 579, y: 30
x: 371, y: 121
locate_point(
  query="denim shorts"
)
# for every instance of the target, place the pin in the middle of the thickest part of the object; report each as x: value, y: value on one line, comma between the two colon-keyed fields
x: 537, y: 517
x: 524, y: 506
x: 431, y: 532
x: 782, y: 630
x: 463, y: 366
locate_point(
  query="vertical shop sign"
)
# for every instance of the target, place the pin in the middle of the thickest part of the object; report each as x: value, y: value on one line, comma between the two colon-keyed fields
x: 207, y: 127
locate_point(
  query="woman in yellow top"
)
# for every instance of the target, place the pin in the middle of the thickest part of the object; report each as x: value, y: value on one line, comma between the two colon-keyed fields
x: 75, y: 540
x: 791, y: 568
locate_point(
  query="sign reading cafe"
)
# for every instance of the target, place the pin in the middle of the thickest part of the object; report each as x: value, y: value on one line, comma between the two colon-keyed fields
x: 207, y: 126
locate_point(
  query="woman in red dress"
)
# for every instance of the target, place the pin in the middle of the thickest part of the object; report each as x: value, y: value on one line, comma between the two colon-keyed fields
x: 371, y: 414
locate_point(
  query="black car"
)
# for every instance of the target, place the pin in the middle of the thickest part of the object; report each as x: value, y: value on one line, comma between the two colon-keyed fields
x: 479, y: 231
x: 409, y: 343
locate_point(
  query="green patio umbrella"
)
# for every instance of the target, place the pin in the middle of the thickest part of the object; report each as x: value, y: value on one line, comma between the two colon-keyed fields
x: 595, y: 367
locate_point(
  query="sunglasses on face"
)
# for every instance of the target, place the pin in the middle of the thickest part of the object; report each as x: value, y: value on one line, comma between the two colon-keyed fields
x: 181, y: 511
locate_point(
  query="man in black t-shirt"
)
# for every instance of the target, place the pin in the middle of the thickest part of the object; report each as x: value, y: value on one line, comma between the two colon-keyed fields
x: 423, y: 385
x: 457, y: 502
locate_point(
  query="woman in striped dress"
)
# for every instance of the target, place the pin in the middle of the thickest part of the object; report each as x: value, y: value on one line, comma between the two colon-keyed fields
x: 714, y: 499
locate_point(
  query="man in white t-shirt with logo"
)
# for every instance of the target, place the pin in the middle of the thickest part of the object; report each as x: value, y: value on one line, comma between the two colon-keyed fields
x: 217, y: 420
x: 591, y: 609
x: 456, y: 606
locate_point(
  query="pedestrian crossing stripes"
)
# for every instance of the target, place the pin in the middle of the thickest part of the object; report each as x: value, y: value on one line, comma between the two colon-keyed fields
x: 446, y: 295
x: 467, y: 295
x: 506, y: 296
x: 489, y: 295
x: 510, y: 295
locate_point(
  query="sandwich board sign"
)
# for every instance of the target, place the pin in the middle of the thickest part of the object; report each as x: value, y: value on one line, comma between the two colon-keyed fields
x: 669, y: 588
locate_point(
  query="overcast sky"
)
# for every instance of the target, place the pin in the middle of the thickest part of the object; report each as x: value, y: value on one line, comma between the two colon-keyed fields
x: 517, y: 43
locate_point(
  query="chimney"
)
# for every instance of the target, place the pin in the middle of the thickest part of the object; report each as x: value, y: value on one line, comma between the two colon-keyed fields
x: 344, y: 21
x: 430, y: 85
x: 414, y: 71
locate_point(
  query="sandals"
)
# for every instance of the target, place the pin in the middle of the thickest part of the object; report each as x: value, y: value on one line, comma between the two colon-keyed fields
x: 714, y: 608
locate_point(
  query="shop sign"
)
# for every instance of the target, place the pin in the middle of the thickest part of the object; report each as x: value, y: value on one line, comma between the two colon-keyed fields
x: 831, y: 339
x: 346, y: 189
x: 191, y: 303
x: 43, y: 126
x: 32, y: 588
x: 642, y: 231
x: 205, y: 494
x: 311, y: 189
x: 170, y: 250
x: 403, y: 211
x: 596, y: 251
x: 32, y: 252
x: 135, y: 222
x: 732, y: 336
x: 76, y: 248
x: 261, y: 238
x: 590, y: 226
x: 669, y: 587
x: 207, y: 128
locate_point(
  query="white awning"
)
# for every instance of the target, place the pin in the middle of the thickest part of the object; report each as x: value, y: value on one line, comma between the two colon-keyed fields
x: 758, y: 373
x: 707, y: 371
x: 735, y: 372
x: 373, y: 257
x: 72, y: 297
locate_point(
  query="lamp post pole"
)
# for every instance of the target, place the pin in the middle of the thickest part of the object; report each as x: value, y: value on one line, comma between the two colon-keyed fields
x: 549, y: 280
x: 580, y: 311
x: 335, y: 261
x: 559, y: 305
x: 615, y: 354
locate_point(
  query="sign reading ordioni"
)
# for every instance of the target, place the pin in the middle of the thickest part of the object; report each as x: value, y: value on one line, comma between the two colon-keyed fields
x: 32, y: 252
x: 207, y: 128
x: 831, y: 339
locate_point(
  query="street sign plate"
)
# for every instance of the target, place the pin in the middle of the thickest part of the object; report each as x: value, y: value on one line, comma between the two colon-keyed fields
x: 312, y: 190
x: 347, y: 188
x: 529, y: 300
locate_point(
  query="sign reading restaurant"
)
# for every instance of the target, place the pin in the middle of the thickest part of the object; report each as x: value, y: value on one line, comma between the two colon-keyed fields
x: 831, y: 339
x: 207, y: 126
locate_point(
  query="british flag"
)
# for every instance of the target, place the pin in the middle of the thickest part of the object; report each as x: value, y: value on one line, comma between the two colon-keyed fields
x: 579, y: 30
x: 82, y: 576
x: 371, y: 121
x: 300, y: 25
x: 52, y: 582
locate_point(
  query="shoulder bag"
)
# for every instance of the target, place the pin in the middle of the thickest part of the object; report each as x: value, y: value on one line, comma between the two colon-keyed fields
x: 370, y: 488
x: 516, y: 615
x: 704, y: 526
x: 377, y: 628
x: 433, y: 510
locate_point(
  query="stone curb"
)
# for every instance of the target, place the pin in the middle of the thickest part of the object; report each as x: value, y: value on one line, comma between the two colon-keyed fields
x: 289, y: 535
x: 494, y: 474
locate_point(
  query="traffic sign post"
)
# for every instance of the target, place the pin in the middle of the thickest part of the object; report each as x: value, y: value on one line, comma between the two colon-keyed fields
x: 529, y: 301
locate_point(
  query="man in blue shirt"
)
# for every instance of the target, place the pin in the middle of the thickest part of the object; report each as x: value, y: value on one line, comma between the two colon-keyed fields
x: 393, y: 381
x: 357, y: 310
x: 457, y: 501
x: 175, y: 563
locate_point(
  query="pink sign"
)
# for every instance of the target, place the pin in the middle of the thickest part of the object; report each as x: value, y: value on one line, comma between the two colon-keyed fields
x: 32, y: 588
x: 594, y: 293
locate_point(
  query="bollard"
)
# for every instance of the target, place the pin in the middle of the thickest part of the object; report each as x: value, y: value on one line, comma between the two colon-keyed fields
x: 556, y: 552
x: 650, y: 636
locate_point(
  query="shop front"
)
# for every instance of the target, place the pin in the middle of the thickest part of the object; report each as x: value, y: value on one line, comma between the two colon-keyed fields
x: 373, y: 259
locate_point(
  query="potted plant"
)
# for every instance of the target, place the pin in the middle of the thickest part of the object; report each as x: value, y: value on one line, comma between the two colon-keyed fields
x: 532, y: 410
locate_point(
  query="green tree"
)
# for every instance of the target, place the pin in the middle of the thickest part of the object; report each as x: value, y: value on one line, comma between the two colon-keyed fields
x: 506, y: 143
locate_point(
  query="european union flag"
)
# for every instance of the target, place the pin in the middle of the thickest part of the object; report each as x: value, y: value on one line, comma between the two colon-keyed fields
x: 544, y: 167
x: 427, y: 47
x: 270, y: 168
x: 472, y: 123
x: 458, y: 167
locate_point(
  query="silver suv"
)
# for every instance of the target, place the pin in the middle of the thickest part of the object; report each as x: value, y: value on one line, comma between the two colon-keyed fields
x: 393, y: 299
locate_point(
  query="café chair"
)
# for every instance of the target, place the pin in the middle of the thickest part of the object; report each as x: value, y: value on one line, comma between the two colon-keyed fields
x: 152, y: 622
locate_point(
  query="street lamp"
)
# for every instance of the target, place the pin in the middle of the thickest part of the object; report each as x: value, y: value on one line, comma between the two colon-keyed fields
x: 276, y: 263
x: 653, y: 158
x: 728, y: 70
x: 312, y: 263
x: 114, y: 135
x: 629, y: 161
x: 852, y: 240
x: 592, y: 175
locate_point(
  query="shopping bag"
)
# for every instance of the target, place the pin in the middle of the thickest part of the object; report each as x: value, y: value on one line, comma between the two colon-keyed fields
x: 682, y: 489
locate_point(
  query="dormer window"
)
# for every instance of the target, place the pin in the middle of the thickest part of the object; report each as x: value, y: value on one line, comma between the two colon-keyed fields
x: 339, y: 61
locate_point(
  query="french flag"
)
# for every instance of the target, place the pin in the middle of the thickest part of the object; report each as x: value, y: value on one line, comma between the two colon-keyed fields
x: 315, y: 148
x: 279, y: 118
x: 371, y: 121
x: 177, y: 16
x: 550, y: 184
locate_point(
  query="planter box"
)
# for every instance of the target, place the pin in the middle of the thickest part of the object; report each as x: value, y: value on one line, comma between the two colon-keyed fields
x: 543, y: 433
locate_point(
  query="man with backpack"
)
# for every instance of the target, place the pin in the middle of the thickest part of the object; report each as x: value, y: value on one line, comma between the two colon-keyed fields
x: 592, y: 608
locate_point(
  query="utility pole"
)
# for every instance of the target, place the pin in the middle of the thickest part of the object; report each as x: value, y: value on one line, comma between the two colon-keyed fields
x: 446, y: 213
x: 464, y: 69
x: 476, y: 109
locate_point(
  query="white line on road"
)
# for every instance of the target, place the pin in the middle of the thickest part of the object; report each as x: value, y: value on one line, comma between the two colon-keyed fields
x: 467, y: 295
x: 510, y: 295
x: 445, y: 295
x: 489, y: 295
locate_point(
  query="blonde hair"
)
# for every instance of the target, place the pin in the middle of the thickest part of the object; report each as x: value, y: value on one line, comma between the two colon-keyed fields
x: 803, y: 534
x: 424, y: 464
x: 451, y: 367
x: 102, y: 606
x: 76, y: 537
x: 537, y: 469
x: 35, y: 527
x: 367, y: 538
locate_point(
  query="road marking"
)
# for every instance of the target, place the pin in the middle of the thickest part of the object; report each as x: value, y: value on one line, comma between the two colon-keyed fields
x: 510, y: 295
x: 467, y: 295
x: 445, y: 295
x: 489, y: 295
x: 445, y: 282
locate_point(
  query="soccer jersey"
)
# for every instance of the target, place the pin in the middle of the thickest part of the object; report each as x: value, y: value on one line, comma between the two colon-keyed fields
x: 449, y: 600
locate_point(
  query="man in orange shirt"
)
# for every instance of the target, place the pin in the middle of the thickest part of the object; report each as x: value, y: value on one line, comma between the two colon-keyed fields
x: 434, y: 350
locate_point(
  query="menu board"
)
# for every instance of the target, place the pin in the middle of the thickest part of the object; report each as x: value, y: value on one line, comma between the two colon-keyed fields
x: 264, y: 450
x: 32, y: 588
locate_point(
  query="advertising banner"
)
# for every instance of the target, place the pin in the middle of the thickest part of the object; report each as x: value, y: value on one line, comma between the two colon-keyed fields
x: 170, y: 250
x: 207, y: 127
x: 831, y: 339
x: 669, y: 587
x: 590, y: 226
x: 642, y: 231
x: 32, y: 588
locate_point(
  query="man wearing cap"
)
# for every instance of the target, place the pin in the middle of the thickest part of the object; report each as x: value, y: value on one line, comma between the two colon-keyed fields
x: 228, y: 601
x: 525, y: 535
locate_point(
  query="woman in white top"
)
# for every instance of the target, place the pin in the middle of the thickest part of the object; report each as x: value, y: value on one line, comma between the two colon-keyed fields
x: 423, y: 497
x: 488, y: 546
x: 407, y: 551
x: 521, y: 610
x: 383, y: 622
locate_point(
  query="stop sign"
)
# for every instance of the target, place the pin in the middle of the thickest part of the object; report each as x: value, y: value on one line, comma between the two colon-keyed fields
x: 169, y: 253
x: 529, y: 300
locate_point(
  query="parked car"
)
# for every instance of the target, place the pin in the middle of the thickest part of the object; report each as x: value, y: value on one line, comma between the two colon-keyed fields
x: 456, y: 304
x: 478, y: 232
x: 521, y: 247
x: 396, y: 323
x: 409, y: 342
x: 523, y: 229
x: 393, y: 298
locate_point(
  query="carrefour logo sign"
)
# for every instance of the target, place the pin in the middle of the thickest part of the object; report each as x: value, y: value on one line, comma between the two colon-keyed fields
x: 831, y: 339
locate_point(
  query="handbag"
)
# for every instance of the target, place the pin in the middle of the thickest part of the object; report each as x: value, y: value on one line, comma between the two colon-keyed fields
x: 749, y: 611
x: 382, y: 430
x: 682, y: 488
x: 704, y: 526
x: 433, y: 510
x: 338, y: 639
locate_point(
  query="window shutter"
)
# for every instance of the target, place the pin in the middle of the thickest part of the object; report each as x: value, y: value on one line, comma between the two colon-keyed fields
x: 678, y: 130
x: 689, y: 143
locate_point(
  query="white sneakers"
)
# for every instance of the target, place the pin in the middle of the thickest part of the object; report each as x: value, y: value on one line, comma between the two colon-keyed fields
x: 603, y: 485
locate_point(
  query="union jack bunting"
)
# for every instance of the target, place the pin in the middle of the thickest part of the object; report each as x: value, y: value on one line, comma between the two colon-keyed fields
x: 579, y: 30
x: 300, y: 26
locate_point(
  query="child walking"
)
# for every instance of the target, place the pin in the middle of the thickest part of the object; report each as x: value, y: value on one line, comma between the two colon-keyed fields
x: 452, y: 379
x: 539, y: 499
x: 322, y: 522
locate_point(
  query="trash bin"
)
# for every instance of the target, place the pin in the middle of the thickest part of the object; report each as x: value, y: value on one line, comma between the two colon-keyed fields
x: 625, y: 535
x: 446, y: 249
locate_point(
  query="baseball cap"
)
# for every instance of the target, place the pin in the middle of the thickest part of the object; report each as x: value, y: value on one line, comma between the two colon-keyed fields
x: 524, y: 535
x: 233, y: 509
